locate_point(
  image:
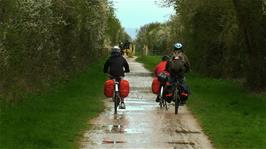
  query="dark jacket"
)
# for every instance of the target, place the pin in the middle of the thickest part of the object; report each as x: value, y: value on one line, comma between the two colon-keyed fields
x: 115, y: 65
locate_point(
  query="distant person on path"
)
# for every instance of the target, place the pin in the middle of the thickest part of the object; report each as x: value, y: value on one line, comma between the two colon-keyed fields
x: 116, y: 65
x: 121, y: 48
x: 126, y: 44
x: 126, y: 47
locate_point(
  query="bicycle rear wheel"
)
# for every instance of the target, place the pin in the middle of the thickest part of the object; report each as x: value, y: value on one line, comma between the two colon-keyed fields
x: 116, y: 103
x: 177, y: 100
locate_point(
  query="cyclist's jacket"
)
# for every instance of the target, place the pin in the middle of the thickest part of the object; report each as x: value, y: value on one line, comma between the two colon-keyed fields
x: 116, y: 65
x: 183, y: 57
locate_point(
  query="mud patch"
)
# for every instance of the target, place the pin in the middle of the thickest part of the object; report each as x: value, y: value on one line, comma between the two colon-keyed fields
x: 113, y: 142
x: 181, y: 142
x: 187, y: 131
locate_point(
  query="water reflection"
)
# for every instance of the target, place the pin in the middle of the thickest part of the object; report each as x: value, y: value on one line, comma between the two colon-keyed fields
x: 120, y: 121
x: 115, y: 129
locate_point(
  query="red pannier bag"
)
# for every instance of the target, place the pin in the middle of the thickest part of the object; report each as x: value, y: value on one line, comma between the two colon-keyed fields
x: 155, y: 86
x: 160, y: 68
x: 124, y: 88
x: 109, y: 88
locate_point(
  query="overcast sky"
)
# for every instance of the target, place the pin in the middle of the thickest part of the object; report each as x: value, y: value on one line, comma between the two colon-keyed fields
x: 135, y: 13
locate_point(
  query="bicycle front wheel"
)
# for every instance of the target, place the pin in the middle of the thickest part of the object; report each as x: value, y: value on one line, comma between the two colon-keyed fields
x: 160, y: 102
x: 165, y: 104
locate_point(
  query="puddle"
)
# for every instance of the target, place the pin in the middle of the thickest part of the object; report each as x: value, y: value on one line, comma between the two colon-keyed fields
x: 118, y: 117
x: 115, y: 129
x: 139, y: 74
x: 137, y: 89
x: 121, y: 129
x: 133, y: 131
x: 140, y: 108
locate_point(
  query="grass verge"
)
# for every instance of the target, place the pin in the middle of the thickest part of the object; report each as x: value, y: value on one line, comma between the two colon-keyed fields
x: 232, y: 117
x: 56, y: 118
x: 149, y: 61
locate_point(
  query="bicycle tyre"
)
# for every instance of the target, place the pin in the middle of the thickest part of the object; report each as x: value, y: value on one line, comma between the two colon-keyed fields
x: 116, y: 103
x: 160, y: 102
x: 177, y: 101
x: 165, y: 104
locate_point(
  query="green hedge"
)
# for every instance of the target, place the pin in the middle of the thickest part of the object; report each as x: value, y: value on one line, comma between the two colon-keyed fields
x: 56, y: 118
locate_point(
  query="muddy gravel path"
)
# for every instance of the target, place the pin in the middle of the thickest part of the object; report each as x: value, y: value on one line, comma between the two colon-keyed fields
x: 143, y: 124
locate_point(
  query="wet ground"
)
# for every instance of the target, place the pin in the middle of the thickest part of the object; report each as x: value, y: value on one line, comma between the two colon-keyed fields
x: 143, y: 124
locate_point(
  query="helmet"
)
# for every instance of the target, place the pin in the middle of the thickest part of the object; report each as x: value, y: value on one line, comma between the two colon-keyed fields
x: 178, y: 46
x: 116, y: 49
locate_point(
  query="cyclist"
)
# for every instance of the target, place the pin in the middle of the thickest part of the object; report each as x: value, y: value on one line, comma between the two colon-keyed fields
x: 116, y: 65
x: 121, y: 48
x: 178, y: 65
x: 178, y: 53
x: 160, y: 69
x: 126, y: 47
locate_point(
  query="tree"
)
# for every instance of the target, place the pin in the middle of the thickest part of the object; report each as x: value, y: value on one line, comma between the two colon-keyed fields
x: 251, y: 19
x: 223, y: 38
x: 48, y: 40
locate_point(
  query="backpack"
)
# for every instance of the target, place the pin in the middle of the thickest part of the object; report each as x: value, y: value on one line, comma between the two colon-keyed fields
x: 176, y: 67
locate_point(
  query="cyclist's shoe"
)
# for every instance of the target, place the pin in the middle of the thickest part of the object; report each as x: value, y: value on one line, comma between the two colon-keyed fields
x: 168, y: 99
x: 157, y: 99
x: 122, y: 105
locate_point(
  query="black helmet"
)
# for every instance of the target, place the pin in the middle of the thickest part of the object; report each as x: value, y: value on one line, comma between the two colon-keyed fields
x: 178, y: 46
